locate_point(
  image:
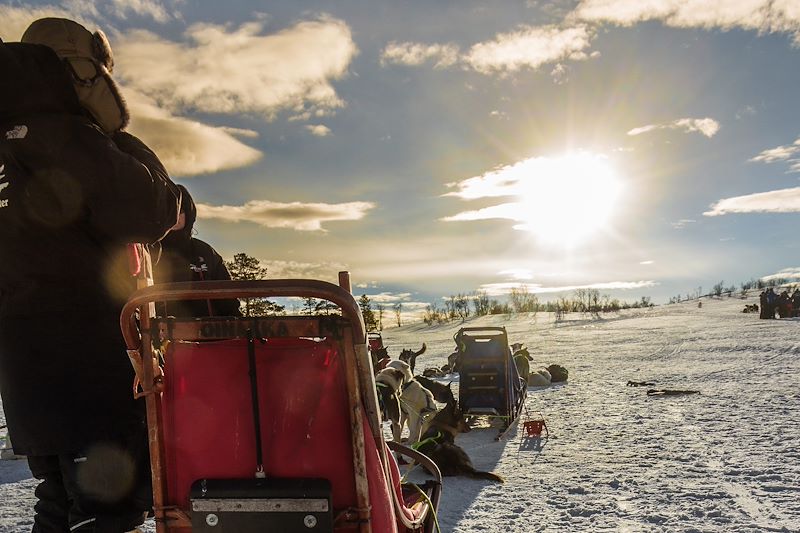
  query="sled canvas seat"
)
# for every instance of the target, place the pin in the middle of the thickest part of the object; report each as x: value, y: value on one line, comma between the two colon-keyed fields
x: 267, y: 424
x: 489, y: 382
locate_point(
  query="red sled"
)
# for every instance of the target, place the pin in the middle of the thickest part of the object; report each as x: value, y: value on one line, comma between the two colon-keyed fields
x: 269, y: 423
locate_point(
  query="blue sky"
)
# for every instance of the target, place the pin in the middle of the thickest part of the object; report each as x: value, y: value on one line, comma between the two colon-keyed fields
x: 432, y: 148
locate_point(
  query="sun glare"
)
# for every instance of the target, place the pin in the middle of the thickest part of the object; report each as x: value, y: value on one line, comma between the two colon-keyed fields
x: 567, y: 199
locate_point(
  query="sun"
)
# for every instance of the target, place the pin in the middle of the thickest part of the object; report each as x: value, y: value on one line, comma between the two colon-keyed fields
x: 566, y: 200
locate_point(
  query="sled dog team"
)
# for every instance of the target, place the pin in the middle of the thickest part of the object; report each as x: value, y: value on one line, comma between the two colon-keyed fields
x: 409, y: 401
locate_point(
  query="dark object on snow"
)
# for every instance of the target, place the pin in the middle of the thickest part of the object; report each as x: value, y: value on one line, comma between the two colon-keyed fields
x: 558, y: 373
x: 670, y: 392
x: 750, y: 308
x: 640, y: 384
x: 432, y: 372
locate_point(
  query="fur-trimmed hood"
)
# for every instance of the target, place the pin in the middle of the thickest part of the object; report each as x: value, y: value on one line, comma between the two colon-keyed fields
x: 88, y: 58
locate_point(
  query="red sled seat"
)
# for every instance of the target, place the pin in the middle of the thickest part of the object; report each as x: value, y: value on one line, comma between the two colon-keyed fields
x: 274, y: 428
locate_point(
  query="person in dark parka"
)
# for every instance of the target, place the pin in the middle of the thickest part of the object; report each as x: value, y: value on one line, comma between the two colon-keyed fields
x: 74, y: 189
x: 186, y: 258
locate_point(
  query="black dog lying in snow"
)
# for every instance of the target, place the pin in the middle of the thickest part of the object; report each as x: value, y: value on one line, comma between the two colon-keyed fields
x: 438, y: 443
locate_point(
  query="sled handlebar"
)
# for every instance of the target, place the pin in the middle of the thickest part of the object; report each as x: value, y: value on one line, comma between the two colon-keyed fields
x: 216, y: 290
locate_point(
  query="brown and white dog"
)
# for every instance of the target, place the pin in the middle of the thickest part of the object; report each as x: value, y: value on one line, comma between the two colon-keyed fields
x: 416, y: 402
x: 389, y: 386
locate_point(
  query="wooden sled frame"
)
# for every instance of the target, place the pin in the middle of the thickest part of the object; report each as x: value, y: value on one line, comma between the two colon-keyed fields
x: 139, y: 329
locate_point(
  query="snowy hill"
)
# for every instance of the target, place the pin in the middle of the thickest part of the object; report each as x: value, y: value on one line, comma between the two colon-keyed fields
x: 725, y: 460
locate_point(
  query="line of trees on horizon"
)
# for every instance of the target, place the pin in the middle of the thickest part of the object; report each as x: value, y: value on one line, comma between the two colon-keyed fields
x: 520, y: 300
x: 744, y: 288
x: 461, y: 306
x: 454, y: 307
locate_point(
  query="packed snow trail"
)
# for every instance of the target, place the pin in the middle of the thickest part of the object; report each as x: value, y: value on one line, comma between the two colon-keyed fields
x: 725, y: 460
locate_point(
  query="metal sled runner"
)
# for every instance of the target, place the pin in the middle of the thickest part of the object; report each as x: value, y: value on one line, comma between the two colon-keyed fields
x: 489, y: 382
x: 271, y: 423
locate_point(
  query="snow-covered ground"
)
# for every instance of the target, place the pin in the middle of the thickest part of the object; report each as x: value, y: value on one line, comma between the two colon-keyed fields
x: 725, y: 460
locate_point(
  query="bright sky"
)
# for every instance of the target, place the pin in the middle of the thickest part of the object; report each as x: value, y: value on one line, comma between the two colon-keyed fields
x: 432, y: 148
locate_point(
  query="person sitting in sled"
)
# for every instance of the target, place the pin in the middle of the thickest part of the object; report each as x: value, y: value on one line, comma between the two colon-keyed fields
x: 186, y: 258
x: 74, y: 190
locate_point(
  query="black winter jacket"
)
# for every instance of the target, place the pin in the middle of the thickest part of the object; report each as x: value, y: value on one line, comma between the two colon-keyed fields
x: 70, y: 200
x: 193, y: 260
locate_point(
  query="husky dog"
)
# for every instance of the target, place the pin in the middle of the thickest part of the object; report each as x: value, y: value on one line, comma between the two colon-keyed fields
x: 410, y: 356
x: 389, y: 385
x: 416, y: 402
x: 441, y: 393
x: 438, y: 443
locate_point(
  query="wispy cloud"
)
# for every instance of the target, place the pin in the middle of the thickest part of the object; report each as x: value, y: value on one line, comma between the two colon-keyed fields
x: 707, y: 126
x: 502, y: 288
x: 529, y: 47
x: 318, y: 130
x: 517, y: 273
x: 187, y: 147
x: 293, y: 215
x: 648, y: 262
x: 682, y: 223
x: 219, y: 69
x: 786, y: 273
x: 143, y: 8
x: 390, y: 297
x: 297, y: 269
x: 780, y: 201
x: 763, y: 16
x: 781, y: 153
x: 413, y: 54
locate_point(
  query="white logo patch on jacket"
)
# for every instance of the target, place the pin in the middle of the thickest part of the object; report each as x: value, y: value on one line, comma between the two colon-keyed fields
x: 3, y: 185
x: 17, y: 132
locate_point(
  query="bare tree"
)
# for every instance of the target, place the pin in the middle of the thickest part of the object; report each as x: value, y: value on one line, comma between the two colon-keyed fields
x: 398, y: 312
x: 381, y: 308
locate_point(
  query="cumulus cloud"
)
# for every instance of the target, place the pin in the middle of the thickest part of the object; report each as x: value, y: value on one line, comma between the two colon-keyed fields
x: 763, y: 16
x: 318, y: 130
x: 187, y: 147
x: 707, y: 126
x: 781, y: 153
x: 780, y: 201
x: 293, y: 215
x: 499, y: 289
x: 219, y: 69
x: 413, y: 54
x: 529, y: 47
